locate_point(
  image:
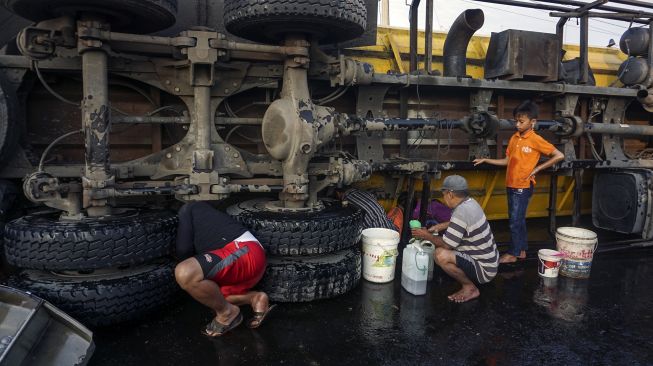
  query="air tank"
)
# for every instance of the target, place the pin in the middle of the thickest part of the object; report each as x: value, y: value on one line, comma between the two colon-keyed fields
x: 633, y: 71
x: 634, y: 41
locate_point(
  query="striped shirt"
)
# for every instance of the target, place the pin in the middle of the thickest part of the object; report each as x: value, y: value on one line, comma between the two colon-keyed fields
x: 469, y: 233
x: 373, y: 214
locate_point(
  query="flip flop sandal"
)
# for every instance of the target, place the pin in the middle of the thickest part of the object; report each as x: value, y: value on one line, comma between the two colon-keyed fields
x: 217, y: 329
x: 259, y: 317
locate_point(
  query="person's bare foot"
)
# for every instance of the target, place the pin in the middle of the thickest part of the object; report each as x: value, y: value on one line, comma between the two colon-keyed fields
x: 466, y: 293
x: 509, y: 258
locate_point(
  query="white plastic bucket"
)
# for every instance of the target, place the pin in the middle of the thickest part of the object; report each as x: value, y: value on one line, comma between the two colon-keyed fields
x: 549, y: 262
x: 379, y: 254
x: 578, y: 246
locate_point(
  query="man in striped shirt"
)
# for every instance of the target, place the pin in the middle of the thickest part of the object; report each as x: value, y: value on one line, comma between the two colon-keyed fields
x: 373, y: 214
x: 467, y: 250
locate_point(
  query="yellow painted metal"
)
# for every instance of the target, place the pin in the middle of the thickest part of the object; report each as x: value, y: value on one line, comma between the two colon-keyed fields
x: 490, y: 189
x: 391, y: 53
x: 395, y: 52
x: 392, y: 49
x: 491, y: 193
x: 564, y: 199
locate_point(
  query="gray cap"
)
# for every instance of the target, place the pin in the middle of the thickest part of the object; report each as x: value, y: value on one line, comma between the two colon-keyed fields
x: 454, y: 183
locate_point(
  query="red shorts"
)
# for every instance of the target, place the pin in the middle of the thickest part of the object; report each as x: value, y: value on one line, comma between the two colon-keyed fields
x: 236, y: 267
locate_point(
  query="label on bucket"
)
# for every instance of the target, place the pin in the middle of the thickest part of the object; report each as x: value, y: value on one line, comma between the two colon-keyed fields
x: 385, y: 259
x: 548, y: 268
x: 548, y: 262
x: 576, y: 269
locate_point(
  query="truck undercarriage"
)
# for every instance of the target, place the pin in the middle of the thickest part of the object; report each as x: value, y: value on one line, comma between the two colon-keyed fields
x: 201, y: 115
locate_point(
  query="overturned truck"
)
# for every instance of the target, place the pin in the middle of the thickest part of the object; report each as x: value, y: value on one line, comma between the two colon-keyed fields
x: 112, y: 112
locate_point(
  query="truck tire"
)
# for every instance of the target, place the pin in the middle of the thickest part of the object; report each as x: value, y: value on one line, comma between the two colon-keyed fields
x: 105, y: 298
x: 42, y: 241
x: 270, y: 20
x: 300, y: 234
x: 9, y: 127
x: 301, y: 279
x: 131, y: 16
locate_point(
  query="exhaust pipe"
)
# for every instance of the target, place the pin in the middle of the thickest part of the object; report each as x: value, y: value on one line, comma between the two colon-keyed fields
x: 455, y: 46
x: 645, y: 96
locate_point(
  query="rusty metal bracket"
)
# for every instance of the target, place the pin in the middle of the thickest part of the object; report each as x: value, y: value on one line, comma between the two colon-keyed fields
x: 369, y: 102
x: 614, y: 112
x: 202, y: 58
x: 479, y: 101
x: 347, y: 72
x: 370, y: 146
x: 478, y: 148
x: 566, y: 105
x: 41, y: 187
x: 569, y: 123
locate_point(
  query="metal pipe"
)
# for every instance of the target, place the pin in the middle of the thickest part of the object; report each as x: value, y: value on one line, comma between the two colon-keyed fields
x: 584, y: 50
x: 455, y: 45
x: 238, y: 121
x: 645, y: 96
x: 202, y: 116
x: 553, y: 195
x: 527, y: 5
x: 618, y: 129
x: 643, y: 4
x: 613, y: 16
x: 144, y: 39
x: 413, y: 35
x: 615, y: 9
x: 248, y: 47
x: 578, y: 191
x: 96, y: 124
x: 560, y: 30
x: 650, y: 45
x: 424, y: 201
x: 398, y: 124
x: 428, y: 37
x: 150, y: 119
x: 408, y: 210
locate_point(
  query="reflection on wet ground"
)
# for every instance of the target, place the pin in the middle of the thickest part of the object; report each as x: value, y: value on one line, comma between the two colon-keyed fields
x: 520, y: 319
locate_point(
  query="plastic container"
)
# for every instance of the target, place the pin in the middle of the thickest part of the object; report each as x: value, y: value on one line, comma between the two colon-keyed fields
x: 578, y: 246
x: 549, y: 262
x: 414, y: 269
x: 429, y: 249
x: 379, y: 254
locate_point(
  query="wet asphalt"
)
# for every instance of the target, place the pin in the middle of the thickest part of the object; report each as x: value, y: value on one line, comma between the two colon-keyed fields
x: 519, y: 319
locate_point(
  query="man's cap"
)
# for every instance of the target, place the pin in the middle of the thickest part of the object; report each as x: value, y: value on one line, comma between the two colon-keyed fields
x: 454, y: 183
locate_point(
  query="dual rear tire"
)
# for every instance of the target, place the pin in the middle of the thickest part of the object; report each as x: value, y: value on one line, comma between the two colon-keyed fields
x: 311, y: 256
x: 100, y: 270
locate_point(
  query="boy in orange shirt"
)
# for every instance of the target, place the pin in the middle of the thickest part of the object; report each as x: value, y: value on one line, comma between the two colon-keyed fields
x: 522, y: 155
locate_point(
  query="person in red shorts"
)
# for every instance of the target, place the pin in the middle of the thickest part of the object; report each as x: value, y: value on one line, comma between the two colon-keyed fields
x: 221, y: 261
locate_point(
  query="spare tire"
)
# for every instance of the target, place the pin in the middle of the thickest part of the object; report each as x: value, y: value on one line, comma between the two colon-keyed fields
x: 300, y: 279
x: 270, y: 20
x: 300, y: 233
x: 42, y: 241
x: 103, y: 298
x: 132, y: 16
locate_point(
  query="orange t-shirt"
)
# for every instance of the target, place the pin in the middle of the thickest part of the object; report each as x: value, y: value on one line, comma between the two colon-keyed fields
x: 523, y: 153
